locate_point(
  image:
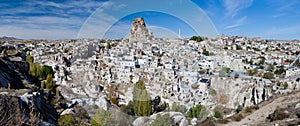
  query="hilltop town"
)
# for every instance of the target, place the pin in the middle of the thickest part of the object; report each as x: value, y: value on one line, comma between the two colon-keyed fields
x: 229, y: 76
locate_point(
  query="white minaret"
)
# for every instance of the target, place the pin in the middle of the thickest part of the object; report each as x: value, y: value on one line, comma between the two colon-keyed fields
x: 179, y: 33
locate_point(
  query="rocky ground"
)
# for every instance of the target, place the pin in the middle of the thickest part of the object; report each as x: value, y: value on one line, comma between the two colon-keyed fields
x: 282, y: 110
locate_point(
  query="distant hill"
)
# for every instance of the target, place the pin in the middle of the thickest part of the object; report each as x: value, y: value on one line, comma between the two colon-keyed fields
x: 8, y: 38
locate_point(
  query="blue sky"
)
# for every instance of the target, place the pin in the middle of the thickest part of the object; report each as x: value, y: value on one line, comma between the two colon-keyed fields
x: 271, y: 19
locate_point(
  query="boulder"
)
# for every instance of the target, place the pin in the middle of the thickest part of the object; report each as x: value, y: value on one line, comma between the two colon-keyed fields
x: 101, y: 102
x: 194, y: 121
x: 297, y: 106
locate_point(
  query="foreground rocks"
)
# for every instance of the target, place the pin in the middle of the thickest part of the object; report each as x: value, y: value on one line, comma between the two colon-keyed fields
x: 29, y: 109
x: 177, y: 119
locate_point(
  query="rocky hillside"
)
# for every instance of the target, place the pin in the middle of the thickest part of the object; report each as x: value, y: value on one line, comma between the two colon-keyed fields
x: 29, y: 109
x: 13, y: 72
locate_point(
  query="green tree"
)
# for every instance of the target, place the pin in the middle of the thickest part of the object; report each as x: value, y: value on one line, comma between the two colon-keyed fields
x: 102, y: 118
x: 163, y: 120
x: 238, y: 47
x: 57, y: 92
x: 285, y: 85
x: 197, y: 38
x: 268, y: 75
x: 141, y: 99
x: 8, y: 87
x: 43, y: 84
x: 108, y: 45
x: 29, y: 59
x: 49, y: 82
x: 280, y: 70
x: 198, y: 112
x: 46, y: 70
x: 205, y: 52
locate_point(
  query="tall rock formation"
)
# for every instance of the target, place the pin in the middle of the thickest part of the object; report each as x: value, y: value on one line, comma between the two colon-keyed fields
x: 139, y: 32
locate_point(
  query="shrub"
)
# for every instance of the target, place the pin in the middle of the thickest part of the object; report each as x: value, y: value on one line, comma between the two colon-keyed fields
x: 285, y: 85
x: 238, y: 117
x: 198, y: 111
x: 68, y: 120
x: 128, y: 109
x: 179, y: 108
x: 239, y: 109
x: 101, y: 118
x: 268, y: 75
x: 218, y: 114
x: 236, y: 75
x: 251, y: 108
x: 278, y: 114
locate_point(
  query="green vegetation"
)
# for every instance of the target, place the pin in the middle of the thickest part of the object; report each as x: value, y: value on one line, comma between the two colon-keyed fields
x: 226, y: 69
x: 163, y: 120
x: 102, y: 118
x: 238, y: 47
x: 270, y: 67
x: 236, y: 75
x: 205, y: 52
x: 108, y: 45
x: 141, y: 100
x: 218, y: 114
x: 212, y: 92
x: 197, y: 38
x: 268, y: 75
x: 49, y: 82
x: 285, y: 85
x: 8, y: 87
x: 252, y: 72
x: 129, y: 108
x: 239, y: 109
x: 278, y: 114
x: 68, y: 120
x: 198, y: 112
x: 280, y: 70
x: 179, y: 108
x: 41, y: 72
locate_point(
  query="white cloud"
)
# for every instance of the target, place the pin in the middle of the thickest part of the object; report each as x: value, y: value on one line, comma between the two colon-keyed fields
x: 237, y: 23
x: 234, y: 6
x: 45, y: 19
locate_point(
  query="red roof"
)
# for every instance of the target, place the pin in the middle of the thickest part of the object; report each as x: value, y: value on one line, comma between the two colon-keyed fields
x: 285, y: 63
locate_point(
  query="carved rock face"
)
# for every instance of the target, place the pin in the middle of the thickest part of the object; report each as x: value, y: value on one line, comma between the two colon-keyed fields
x: 139, y: 32
x: 138, y: 24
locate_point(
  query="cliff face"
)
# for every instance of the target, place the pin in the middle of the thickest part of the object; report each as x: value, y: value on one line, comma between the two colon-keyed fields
x: 139, y: 32
x: 13, y: 72
x: 25, y: 110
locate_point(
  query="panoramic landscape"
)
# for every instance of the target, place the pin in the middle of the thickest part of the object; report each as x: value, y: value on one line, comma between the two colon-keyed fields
x: 140, y: 63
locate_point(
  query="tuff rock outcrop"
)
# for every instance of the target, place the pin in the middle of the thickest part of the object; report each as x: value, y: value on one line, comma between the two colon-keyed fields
x: 139, y: 32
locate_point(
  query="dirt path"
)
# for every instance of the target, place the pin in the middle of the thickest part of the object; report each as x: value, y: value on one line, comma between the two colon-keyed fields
x: 261, y: 114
